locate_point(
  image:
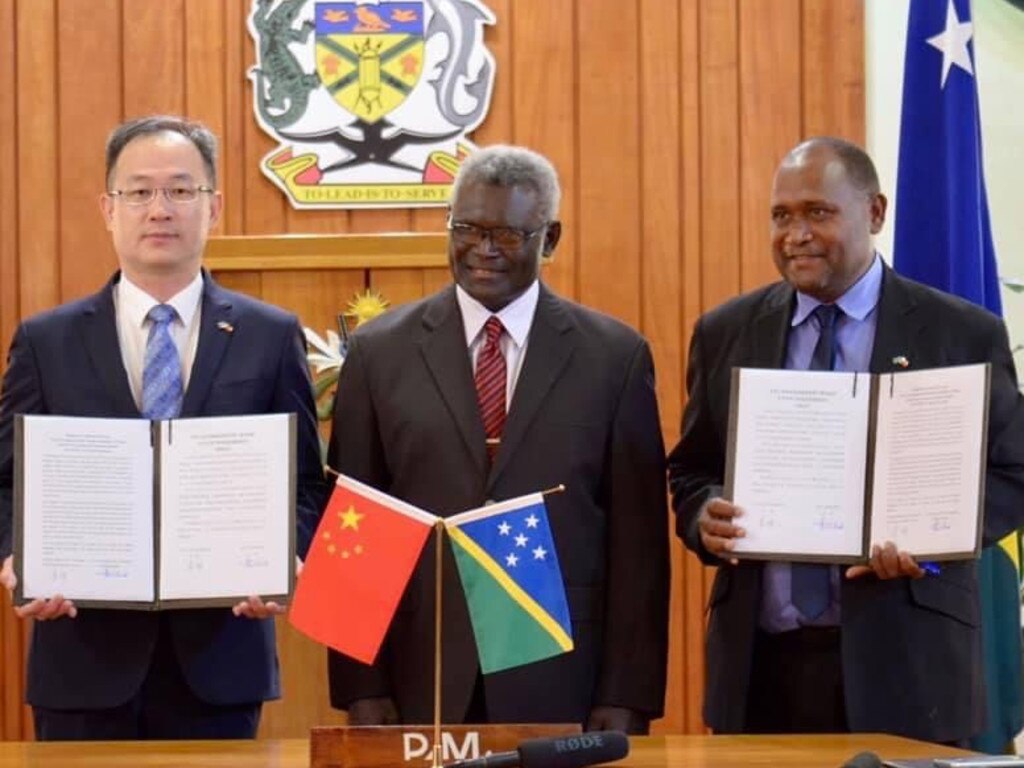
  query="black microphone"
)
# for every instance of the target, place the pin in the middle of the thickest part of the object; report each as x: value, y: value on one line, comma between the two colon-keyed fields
x: 863, y: 760
x: 564, y: 752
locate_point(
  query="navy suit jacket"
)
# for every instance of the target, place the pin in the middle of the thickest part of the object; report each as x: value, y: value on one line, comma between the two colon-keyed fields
x: 67, y: 362
x: 911, y: 649
x: 584, y: 414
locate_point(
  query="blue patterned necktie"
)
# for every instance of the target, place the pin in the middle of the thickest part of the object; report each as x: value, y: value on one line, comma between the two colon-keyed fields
x: 811, y: 588
x: 161, y: 373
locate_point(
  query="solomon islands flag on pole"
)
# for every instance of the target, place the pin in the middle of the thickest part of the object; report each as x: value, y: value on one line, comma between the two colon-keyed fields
x: 509, y: 569
x: 944, y: 239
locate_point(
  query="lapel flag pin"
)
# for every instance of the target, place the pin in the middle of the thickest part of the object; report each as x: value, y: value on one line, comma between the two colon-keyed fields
x: 901, y: 361
x: 225, y: 326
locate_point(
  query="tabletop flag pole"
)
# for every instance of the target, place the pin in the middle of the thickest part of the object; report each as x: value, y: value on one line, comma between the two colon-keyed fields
x: 438, y: 584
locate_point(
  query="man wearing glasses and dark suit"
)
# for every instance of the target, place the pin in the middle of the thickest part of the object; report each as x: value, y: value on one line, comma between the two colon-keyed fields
x: 160, y: 340
x: 490, y: 389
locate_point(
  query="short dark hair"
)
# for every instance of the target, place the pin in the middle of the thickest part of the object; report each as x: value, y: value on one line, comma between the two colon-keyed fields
x: 201, y: 136
x: 859, y: 167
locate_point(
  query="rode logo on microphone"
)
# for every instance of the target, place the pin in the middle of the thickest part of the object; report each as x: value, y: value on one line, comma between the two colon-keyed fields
x: 574, y: 743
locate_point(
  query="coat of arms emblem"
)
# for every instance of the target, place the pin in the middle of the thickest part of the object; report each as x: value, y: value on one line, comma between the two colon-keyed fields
x: 371, y: 101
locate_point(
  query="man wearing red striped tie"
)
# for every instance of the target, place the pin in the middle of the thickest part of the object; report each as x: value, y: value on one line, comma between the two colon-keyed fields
x: 492, y: 388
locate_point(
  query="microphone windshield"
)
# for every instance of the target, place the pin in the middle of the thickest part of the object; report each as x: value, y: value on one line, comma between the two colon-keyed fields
x: 574, y: 751
x: 864, y: 760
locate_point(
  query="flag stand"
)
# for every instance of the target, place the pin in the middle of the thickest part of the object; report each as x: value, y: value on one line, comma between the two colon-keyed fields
x: 438, y: 536
x: 384, y: 746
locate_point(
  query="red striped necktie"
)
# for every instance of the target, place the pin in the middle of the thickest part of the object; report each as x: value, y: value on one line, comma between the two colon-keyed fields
x: 491, y: 381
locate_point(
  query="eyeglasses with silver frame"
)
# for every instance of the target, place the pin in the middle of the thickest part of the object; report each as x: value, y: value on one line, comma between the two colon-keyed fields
x: 144, y: 195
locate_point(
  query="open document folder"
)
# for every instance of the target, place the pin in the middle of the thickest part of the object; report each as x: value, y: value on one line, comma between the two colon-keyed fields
x: 827, y: 464
x: 128, y: 513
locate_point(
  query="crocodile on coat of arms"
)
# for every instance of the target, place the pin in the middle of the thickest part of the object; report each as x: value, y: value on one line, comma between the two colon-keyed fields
x: 281, y: 82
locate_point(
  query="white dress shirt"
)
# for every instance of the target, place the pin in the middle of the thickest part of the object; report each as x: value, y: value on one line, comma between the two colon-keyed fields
x: 517, y: 317
x: 132, y: 304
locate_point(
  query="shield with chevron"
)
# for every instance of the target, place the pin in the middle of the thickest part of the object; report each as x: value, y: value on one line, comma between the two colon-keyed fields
x: 369, y: 58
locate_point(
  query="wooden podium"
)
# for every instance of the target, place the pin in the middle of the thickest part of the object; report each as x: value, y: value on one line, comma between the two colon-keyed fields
x: 385, y: 746
x: 824, y: 751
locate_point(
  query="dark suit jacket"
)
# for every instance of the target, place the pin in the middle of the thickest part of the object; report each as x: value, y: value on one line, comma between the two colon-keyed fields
x: 583, y: 414
x: 911, y: 649
x: 68, y: 362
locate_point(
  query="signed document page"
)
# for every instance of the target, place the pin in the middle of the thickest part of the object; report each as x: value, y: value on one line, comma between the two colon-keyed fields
x: 929, y: 461
x: 796, y: 463
x: 227, y: 504
x: 84, y: 509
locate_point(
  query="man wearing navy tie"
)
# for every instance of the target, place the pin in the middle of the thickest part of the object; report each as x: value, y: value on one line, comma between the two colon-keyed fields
x: 160, y: 340
x: 878, y: 647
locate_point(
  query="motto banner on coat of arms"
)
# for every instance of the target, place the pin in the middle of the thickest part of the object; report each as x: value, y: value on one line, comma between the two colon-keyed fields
x: 370, y: 101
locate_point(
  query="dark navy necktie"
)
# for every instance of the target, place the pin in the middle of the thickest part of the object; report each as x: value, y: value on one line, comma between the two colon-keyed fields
x: 810, y: 590
x: 161, y: 371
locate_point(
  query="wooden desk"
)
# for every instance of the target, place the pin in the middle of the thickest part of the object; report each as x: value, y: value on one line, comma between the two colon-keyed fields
x: 649, y: 752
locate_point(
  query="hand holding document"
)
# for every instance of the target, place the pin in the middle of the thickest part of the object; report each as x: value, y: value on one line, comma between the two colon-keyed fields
x: 828, y: 465
x: 38, y: 609
x: 721, y: 523
x: 132, y: 514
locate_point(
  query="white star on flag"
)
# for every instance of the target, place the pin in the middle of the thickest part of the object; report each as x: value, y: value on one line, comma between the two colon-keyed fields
x: 511, y: 561
x: 531, y: 521
x: 504, y: 528
x: 952, y: 41
x: 521, y: 540
x: 539, y: 553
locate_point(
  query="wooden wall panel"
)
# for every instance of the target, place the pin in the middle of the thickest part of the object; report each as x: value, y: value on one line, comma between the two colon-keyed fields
x: 88, y: 50
x: 833, y: 69
x: 665, y: 119
x: 720, y: 150
x: 499, y: 40
x: 39, y: 190
x: 153, y: 51
x: 237, y: 114
x: 690, y: 578
x: 769, y: 122
x: 316, y: 295
x: 8, y: 180
x: 545, y: 114
x: 658, y: 257
x: 204, y: 69
x: 11, y: 636
x: 608, y: 177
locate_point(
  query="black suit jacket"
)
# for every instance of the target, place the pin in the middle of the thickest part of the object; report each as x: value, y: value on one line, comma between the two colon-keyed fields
x: 911, y: 649
x: 583, y: 414
x: 68, y: 362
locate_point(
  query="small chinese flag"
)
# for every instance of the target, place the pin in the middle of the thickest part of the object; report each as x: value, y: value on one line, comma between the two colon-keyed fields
x: 357, y: 568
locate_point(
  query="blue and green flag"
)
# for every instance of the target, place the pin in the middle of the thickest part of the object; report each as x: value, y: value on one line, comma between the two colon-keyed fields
x: 944, y: 239
x: 509, y: 569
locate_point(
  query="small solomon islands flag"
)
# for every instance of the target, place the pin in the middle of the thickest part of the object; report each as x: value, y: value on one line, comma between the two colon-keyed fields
x: 513, y: 584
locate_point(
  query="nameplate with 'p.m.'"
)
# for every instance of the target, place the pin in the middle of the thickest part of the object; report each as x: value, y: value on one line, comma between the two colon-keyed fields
x: 387, y: 746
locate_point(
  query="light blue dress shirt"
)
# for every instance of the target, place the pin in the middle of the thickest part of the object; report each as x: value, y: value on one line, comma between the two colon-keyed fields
x: 855, y: 336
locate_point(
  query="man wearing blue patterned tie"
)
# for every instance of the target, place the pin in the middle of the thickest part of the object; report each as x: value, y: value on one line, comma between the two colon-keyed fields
x: 878, y: 647
x: 160, y: 340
